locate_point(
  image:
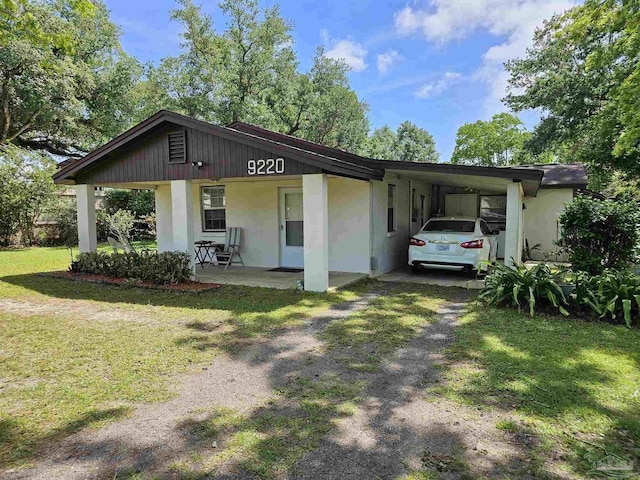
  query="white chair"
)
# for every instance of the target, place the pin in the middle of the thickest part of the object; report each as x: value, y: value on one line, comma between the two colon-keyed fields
x: 119, y: 246
x: 231, y: 248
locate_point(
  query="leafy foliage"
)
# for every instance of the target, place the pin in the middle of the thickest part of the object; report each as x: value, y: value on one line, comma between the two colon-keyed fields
x: 599, y: 234
x: 497, y: 142
x: 120, y: 225
x: 249, y: 72
x: 615, y: 294
x: 162, y: 268
x: 140, y: 202
x: 26, y: 188
x: 410, y: 144
x: 583, y: 71
x: 65, y: 80
x: 520, y: 286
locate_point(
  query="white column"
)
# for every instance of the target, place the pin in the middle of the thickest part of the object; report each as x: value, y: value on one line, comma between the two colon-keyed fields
x: 164, y: 229
x: 316, y: 232
x: 514, y: 227
x: 182, y: 217
x: 86, y: 201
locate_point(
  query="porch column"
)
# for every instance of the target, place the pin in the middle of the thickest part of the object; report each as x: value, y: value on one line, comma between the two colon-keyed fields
x: 164, y: 228
x: 86, y: 202
x: 316, y: 232
x: 514, y: 227
x: 182, y: 218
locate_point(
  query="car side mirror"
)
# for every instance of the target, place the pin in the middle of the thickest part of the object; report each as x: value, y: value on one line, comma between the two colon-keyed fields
x: 495, y: 232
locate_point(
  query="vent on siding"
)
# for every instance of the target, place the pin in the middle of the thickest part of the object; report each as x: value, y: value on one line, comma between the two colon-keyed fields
x: 177, y: 147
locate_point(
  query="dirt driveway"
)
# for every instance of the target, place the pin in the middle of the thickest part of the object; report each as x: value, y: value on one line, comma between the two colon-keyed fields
x: 308, y: 403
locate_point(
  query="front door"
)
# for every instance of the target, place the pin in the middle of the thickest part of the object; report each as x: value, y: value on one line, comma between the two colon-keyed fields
x: 291, y: 228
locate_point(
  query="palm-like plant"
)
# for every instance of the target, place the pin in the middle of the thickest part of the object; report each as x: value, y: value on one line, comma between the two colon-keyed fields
x: 522, y: 285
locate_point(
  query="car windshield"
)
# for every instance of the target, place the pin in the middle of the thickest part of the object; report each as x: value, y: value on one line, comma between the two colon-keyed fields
x: 458, y: 226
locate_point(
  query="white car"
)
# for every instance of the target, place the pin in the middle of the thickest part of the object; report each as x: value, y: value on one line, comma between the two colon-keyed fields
x: 453, y: 243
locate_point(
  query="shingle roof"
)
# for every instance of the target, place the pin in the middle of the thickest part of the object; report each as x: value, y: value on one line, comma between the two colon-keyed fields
x: 562, y: 175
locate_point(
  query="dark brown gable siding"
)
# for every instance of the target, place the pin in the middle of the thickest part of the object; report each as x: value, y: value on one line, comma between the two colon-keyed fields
x: 148, y: 160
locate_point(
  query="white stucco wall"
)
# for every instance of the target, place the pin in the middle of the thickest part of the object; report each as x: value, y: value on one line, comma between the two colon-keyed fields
x: 390, y: 250
x: 541, y: 219
x: 349, y: 225
x: 253, y: 206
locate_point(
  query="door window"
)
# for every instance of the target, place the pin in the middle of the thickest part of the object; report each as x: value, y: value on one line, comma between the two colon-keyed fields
x: 294, y: 225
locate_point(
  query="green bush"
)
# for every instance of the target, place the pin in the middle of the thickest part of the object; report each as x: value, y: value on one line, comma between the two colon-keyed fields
x: 140, y: 202
x: 613, y: 294
x: 523, y: 286
x: 599, y: 234
x: 161, y: 268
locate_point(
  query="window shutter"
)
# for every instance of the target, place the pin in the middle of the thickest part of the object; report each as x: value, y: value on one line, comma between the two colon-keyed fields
x: 177, y: 147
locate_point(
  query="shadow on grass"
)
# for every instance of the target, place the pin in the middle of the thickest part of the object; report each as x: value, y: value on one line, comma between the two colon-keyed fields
x: 575, y: 379
x: 12, y: 432
x: 237, y: 299
x: 320, y: 386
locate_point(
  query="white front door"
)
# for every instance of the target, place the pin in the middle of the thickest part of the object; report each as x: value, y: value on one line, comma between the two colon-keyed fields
x: 291, y: 228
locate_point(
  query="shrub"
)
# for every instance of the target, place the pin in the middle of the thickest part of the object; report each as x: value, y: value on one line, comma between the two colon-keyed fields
x: 615, y: 294
x: 159, y: 268
x: 523, y: 286
x: 141, y: 202
x: 599, y: 234
x: 120, y: 225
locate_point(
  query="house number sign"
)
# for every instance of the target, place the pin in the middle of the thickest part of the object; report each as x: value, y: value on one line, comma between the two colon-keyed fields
x: 270, y: 166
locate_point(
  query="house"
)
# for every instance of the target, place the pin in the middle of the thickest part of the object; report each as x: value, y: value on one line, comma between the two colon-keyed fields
x: 355, y: 214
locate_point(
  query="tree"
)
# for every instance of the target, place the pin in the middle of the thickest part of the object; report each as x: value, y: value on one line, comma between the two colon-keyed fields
x: 415, y: 144
x: 249, y: 72
x: 583, y: 72
x: 497, y: 142
x: 409, y: 143
x: 64, y: 80
x: 381, y: 144
x: 26, y: 187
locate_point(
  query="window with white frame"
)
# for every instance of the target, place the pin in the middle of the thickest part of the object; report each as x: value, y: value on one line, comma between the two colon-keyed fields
x: 214, y: 215
x: 391, y: 208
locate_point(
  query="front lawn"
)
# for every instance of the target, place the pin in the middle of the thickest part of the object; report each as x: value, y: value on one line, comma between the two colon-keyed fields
x: 571, y: 389
x: 75, y: 354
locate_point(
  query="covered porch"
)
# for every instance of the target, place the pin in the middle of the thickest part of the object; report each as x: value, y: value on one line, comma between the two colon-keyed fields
x: 268, y: 277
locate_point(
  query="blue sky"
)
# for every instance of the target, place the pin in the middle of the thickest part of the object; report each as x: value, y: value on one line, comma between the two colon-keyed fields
x: 437, y: 63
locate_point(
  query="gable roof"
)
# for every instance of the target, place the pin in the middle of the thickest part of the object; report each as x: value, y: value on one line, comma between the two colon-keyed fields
x: 330, y: 160
x: 325, y: 162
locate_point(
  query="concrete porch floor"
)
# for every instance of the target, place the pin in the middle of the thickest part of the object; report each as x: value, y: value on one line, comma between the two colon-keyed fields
x: 262, y: 277
x: 441, y: 278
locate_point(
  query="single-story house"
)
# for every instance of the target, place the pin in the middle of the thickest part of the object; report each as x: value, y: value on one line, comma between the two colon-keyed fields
x: 301, y: 204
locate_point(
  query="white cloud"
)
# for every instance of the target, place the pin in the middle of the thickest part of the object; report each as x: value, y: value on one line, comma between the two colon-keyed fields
x: 515, y: 21
x: 436, y: 87
x: 353, y: 53
x: 387, y: 60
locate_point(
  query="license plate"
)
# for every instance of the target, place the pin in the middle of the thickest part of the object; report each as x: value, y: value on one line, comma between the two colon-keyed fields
x: 442, y: 248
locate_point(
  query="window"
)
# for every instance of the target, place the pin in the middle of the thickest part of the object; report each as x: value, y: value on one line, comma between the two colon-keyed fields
x: 457, y: 226
x: 485, y: 228
x: 177, y: 147
x: 391, y: 208
x: 423, y: 205
x: 214, y: 215
x: 414, y: 206
x: 493, y: 208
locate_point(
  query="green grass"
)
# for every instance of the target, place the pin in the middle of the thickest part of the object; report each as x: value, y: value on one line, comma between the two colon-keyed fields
x: 87, y: 353
x: 573, y: 384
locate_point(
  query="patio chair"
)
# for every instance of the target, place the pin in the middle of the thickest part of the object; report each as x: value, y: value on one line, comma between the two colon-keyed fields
x: 126, y: 248
x: 231, y: 248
